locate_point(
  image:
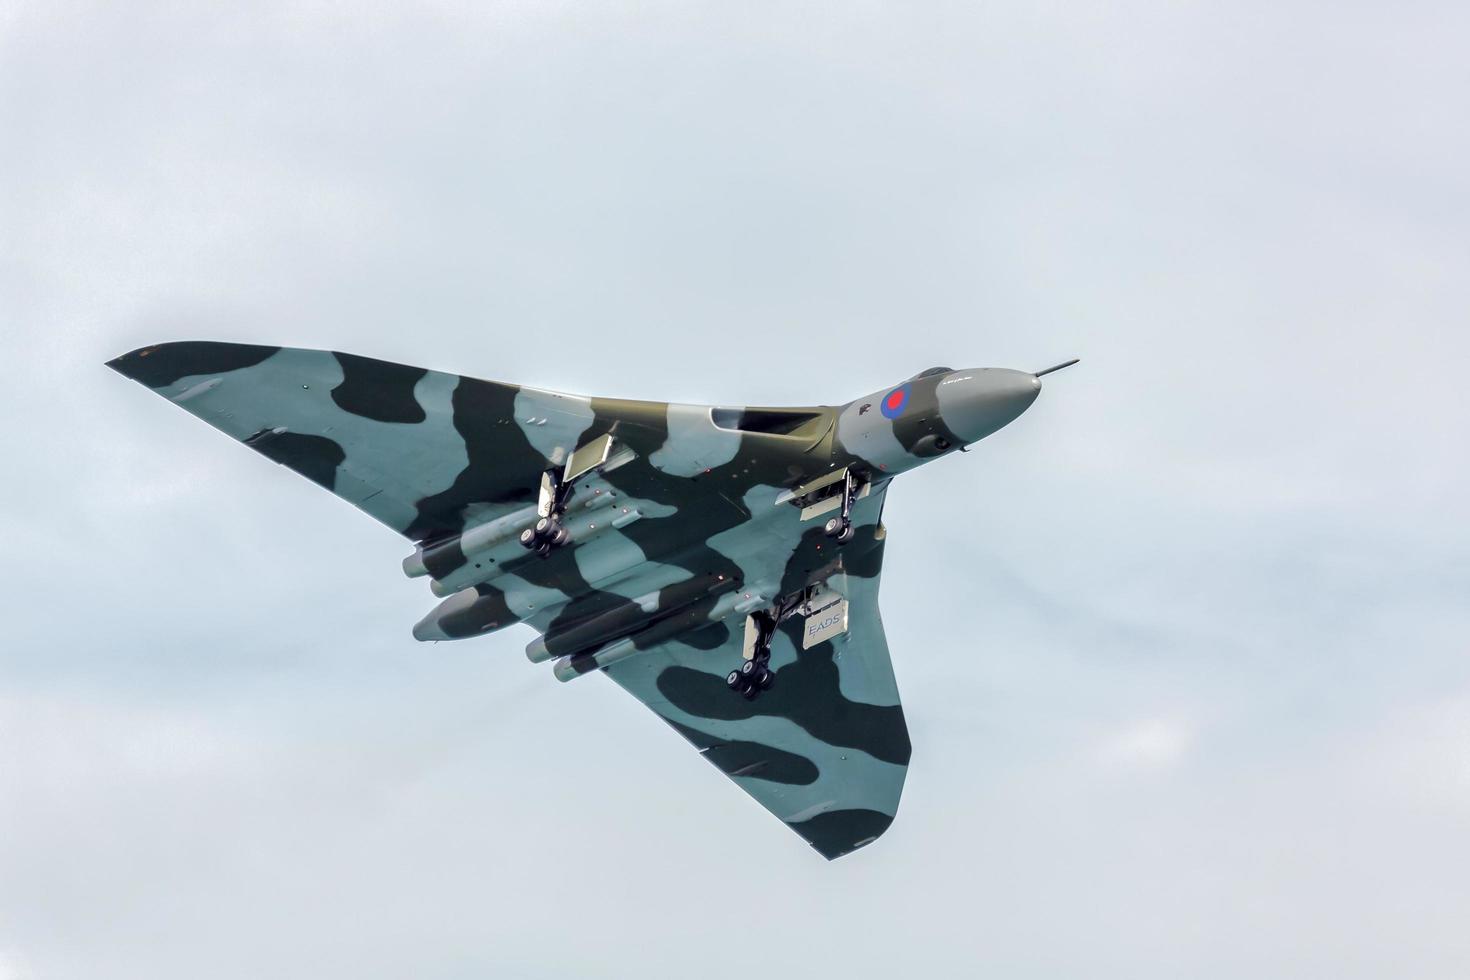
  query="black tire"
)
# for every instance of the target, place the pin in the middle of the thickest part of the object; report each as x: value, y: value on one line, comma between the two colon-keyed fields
x: 733, y: 680
x: 561, y: 537
x: 748, y: 668
x: 767, y: 679
x: 544, y: 526
x: 750, y: 692
x: 846, y: 535
x: 528, y: 538
x: 833, y: 527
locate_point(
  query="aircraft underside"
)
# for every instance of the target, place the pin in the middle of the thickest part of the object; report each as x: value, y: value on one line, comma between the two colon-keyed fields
x: 720, y: 564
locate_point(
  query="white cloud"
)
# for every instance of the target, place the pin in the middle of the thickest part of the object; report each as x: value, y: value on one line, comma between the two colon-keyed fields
x: 1420, y: 753
x: 10, y: 968
x: 1153, y: 743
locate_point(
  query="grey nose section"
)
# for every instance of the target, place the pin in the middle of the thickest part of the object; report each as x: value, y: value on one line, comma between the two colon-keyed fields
x: 978, y: 402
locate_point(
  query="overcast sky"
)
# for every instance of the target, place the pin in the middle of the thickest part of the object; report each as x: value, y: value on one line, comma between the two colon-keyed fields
x: 1183, y: 650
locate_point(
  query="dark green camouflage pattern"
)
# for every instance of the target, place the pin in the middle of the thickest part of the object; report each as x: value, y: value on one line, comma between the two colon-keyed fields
x: 688, y: 527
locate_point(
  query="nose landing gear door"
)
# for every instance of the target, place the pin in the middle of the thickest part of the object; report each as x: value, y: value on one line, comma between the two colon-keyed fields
x: 825, y: 493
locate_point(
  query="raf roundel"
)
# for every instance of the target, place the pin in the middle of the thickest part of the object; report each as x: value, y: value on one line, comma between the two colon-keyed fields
x: 895, y: 402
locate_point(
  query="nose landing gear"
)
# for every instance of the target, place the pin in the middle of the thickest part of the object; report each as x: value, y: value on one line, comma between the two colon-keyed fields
x: 840, y: 528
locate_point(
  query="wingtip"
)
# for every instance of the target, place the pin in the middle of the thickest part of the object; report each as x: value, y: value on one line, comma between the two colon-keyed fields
x: 159, y: 365
x: 128, y: 364
x: 835, y: 833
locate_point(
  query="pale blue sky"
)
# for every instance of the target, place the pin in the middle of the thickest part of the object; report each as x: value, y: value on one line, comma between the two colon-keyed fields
x: 1183, y: 650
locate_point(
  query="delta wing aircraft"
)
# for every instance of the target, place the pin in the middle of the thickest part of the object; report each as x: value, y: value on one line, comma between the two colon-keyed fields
x: 719, y: 564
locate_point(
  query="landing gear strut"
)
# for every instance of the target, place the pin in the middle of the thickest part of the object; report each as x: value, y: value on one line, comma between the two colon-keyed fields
x: 754, y: 674
x: 548, y: 532
x: 840, y: 528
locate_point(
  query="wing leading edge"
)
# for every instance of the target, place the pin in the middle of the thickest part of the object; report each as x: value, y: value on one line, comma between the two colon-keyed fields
x: 826, y: 749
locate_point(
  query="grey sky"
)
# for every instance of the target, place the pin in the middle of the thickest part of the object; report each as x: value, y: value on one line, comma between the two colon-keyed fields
x: 1183, y: 650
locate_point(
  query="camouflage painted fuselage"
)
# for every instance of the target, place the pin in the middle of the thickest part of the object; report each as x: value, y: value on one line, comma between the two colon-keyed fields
x: 695, y: 521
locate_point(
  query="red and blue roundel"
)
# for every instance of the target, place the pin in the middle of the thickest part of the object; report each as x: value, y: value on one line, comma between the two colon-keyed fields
x: 895, y: 402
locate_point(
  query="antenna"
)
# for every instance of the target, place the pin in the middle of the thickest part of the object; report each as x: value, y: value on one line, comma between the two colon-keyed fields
x: 1057, y: 367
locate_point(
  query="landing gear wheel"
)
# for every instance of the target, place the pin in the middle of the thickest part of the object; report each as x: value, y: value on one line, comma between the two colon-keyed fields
x: 839, y: 529
x: 548, y: 533
x: 754, y: 675
x: 839, y: 526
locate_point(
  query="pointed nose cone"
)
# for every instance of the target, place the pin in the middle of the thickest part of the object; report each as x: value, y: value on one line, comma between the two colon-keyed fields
x: 976, y: 403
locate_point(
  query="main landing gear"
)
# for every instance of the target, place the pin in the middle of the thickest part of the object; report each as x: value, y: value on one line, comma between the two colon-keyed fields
x: 548, y: 532
x: 839, y: 528
x: 754, y: 674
